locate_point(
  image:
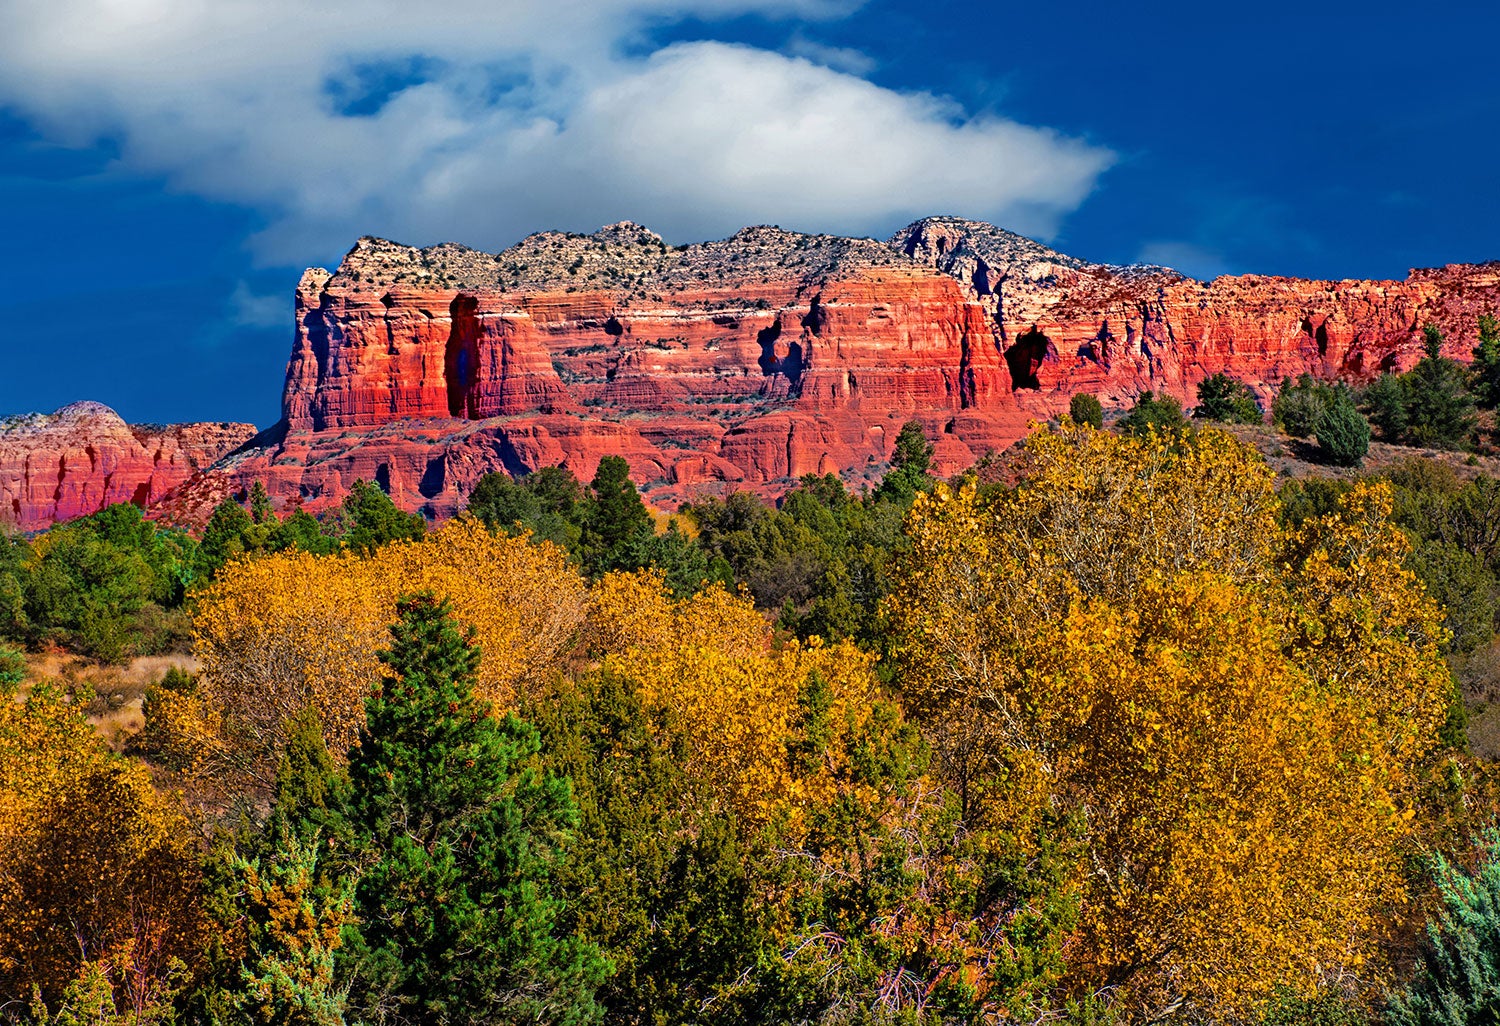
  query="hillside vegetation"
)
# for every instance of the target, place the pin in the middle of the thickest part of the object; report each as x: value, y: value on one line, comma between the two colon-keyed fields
x: 1117, y: 727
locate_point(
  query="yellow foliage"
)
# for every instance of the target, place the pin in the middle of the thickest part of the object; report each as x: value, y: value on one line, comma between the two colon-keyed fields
x: 741, y: 705
x: 1233, y: 714
x: 279, y: 633
x: 95, y: 865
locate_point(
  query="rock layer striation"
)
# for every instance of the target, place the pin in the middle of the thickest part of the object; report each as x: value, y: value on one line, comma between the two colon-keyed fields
x: 748, y: 362
x: 84, y: 457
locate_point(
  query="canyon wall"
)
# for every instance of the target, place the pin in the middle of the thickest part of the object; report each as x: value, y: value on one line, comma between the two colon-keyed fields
x: 84, y: 457
x: 748, y: 362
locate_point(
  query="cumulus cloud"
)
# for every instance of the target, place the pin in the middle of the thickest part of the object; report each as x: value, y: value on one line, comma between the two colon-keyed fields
x: 482, y: 120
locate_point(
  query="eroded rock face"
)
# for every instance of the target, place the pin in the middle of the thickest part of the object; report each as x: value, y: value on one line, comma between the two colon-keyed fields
x: 748, y: 362
x: 743, y: 363
x: 1071, y: 327
x: 84, y: 457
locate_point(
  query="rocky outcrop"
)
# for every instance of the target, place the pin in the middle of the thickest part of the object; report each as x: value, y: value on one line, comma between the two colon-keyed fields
x: 84, y: 457
x: 748, y: 362
x: 741, y: 363
x: 1069, y: 327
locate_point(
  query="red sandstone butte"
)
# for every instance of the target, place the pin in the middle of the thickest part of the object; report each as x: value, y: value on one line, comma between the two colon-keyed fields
x: 748, y: 362
x: 84, y: 457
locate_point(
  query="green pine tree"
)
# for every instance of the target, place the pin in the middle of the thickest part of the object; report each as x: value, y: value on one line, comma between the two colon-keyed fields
x: 224, y: 537
x: 1343, y: 433
x: 368, y: 519
x: 1150, y: 414
x: 1439, y: 406
x: 294, y: 917
x: 1486, y: 365
x: 661, y: 884
x: 459, y: 835
x: 614, y: 517
x: 911, y: 459
x: 260, y: 505
x: 1085, y: 408
x: 1225, y: 399
x: 284, y: 899
x: 1386, y: 403
x: 1459, y: 979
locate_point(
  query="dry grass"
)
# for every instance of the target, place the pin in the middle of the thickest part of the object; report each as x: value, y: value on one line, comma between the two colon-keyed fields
x: 118, y: 692
x: 1299, y: 458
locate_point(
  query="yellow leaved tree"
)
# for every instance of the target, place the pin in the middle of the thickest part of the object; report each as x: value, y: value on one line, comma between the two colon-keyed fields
x: 282, y: 632
x: 99, y: 874
x: 1232, y: 712
x: 744, y: 706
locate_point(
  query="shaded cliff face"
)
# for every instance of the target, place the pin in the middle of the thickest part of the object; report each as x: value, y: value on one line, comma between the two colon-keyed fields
x: 84, y: 457
x: 748, y: 362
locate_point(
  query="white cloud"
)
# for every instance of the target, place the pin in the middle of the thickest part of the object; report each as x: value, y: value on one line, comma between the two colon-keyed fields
x: 251, y: 310
x: 839, y: 58
x: 526, y: 115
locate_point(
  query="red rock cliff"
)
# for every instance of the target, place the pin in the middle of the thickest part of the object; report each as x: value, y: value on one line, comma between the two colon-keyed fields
x: 751, y: 361
x: 84, y: 457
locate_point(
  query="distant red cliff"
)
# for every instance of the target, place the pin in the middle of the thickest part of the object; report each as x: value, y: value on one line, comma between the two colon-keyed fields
x: 84, y: 457
x: 748, y: 362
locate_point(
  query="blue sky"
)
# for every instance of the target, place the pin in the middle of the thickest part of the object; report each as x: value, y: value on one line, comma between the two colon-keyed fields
x: 167, y: 168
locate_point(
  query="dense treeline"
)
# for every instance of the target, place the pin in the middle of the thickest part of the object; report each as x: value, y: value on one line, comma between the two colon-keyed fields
x: 114, y: 584
x: 1133, y: 737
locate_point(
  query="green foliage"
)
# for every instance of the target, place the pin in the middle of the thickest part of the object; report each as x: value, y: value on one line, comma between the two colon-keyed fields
x: 1458, y: 982
x: 614, y: 518
x: 662, y: 886
x: 1299, y: 405
x: 232, y: 532
x: 226, y: 536
x: 1225, y: 399
x: 1430, y: 405
x: 821, y: 559
x: 368, y: 519
x: 457, y: 833
x: 1385, y: 401
x: 98, y: 584
x: 1343, y: 433
x: 260, y: 505
x: 919, y: 916
x: 1084, y: 408
x: 1310, y: 499
x: 1486, y: 366
x: 911, y: 458
x: 1149, y: 414
x: 685, y: 565
x: 12, y: 670
x: 1465, y: 587
x: 1324, y: 1008
x: 1439, y: 408
x: 293, y: 916
x: 91, y: 1000
x: 307, y: 782
x: 548, y: 503
x: 13, y: 554
x: 1455, y: 530
x: 1432, y: 341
